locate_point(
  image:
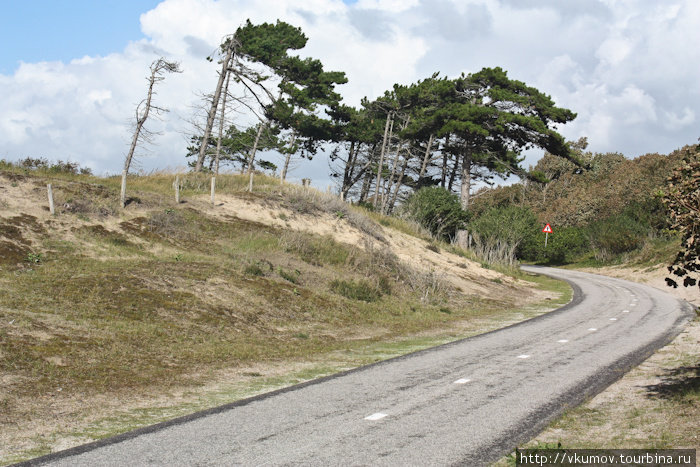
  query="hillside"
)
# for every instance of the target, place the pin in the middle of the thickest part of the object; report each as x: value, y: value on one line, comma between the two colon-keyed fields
x: 111, y: 319
x: 613, y: 211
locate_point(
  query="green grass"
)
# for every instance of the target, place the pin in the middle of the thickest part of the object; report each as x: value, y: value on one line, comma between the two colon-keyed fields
x: 360, y: 290
x: 561, y: 289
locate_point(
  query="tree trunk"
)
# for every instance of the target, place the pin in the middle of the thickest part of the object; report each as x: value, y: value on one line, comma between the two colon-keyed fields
x: 398, y: 185
x: 251, y: 158
x: 453, y: 173
x: 462, y: 239
x: 349, y: 168
x: 444, y: 162
x: 392, y: 177
x: 134, y: 142
x: 288, y: 157
x: 443, y: 177
x: 366, y: 185
x: 214, y: 104
x: 466, y: 179
x: 221, y: 124
x: 389, y: 122
x: 385, y: 199
x: 426, y: 158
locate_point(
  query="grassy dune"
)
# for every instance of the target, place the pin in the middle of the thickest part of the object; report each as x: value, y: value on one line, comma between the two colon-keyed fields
x: 132, y: 304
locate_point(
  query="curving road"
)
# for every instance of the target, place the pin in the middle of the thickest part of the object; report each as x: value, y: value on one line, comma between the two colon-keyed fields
x: 468, y: 402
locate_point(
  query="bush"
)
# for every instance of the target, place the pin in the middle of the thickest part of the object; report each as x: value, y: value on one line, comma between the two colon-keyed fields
x: 437, y: 210
x: 563, y: 246
x: 499, y: 232
x: 361, y: 290
x: 511, y: 224
x: 616, y: 235
x: 42, y: 164
x: 258, y: 268
x: 292, y: 277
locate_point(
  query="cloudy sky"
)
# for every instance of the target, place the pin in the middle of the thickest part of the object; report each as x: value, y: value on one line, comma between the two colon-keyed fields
x: 72, y: 72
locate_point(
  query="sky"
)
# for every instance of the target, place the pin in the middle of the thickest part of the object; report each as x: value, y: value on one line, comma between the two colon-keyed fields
x: 72, y: 72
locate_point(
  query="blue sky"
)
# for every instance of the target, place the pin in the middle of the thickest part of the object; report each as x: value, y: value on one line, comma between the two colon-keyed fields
x: 46, y: 30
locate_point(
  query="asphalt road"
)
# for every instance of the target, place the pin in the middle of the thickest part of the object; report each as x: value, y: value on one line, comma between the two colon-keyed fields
x: 464, y: 403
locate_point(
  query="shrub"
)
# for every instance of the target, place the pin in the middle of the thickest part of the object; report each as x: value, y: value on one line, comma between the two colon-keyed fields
x: 616, y: 235
x: 253, y: 270
x: 437, y: 210
x: 292, y: 277
x: 362, y: 290
x: 43, y: 164
x: 500, y: 230
x: 433, y: 247
x: 259, y: 268
x: 563, y: 246
x: 510, y: 224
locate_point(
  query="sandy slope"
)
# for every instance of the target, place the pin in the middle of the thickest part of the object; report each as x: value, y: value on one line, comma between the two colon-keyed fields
x: 466, y: 276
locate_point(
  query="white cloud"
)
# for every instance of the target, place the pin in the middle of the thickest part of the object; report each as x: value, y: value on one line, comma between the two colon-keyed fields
x: 99, y: 96
x: 673, y: 121
x: 629, y: 69
x: 395, y: 6
x: 614, y: 50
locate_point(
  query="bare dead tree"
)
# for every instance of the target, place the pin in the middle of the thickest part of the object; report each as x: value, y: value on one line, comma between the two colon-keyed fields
x: 143, y: 109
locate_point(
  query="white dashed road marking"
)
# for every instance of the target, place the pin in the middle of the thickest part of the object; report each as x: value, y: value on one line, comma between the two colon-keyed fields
x: 625, y: 311
x: 592, y: 329
x: 523, y: 356
x: 563, y: 341
x: 462, y: 381
x: 375, y: 416
x: 613, y: 319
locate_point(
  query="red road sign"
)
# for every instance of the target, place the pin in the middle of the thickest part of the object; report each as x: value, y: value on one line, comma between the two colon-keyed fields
x: 547, y: 229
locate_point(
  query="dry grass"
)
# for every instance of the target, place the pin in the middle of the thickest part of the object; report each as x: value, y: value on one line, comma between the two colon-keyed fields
x: 160, y: 296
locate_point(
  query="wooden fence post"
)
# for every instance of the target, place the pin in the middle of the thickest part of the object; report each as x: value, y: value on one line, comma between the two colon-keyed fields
x: 250, y: 182
x: 213, y: 184
x: 50, y: 193
x: 177, y: 189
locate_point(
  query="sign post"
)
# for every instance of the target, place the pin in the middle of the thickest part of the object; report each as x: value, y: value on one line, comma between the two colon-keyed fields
x: 547, y: 230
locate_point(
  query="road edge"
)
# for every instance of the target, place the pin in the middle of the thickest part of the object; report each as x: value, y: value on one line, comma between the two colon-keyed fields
x: 587, y: 389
